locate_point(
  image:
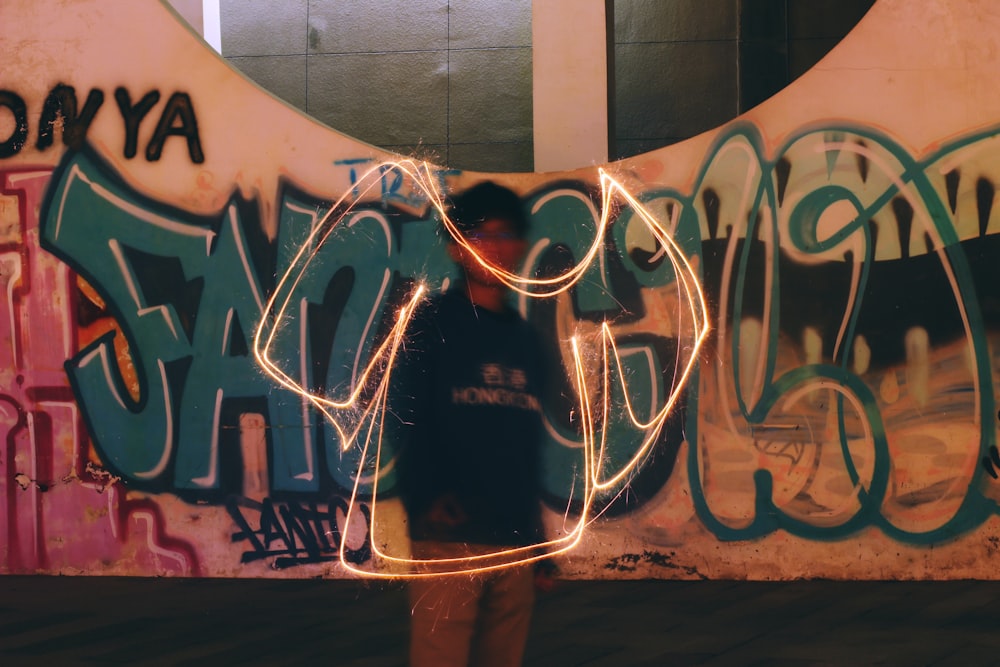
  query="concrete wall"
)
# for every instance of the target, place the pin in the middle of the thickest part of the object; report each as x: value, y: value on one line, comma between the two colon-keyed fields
x: 839, y: 420
x: 684, y: 67
x: 453, y: 80
x: 450, y: 81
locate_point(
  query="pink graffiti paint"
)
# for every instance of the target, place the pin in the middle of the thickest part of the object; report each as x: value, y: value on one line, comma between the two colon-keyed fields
x: 57, y: 510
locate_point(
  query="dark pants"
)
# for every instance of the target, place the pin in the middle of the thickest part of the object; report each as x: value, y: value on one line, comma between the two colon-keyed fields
x: 470, y: 620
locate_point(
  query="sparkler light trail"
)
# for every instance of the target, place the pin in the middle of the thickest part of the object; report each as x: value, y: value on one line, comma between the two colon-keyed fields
x: 359, y: 414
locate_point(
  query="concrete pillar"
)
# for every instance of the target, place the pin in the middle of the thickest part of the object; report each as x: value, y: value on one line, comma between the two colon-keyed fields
x: 570, y: 73
x: 190, y: 11
x: 203, y: 16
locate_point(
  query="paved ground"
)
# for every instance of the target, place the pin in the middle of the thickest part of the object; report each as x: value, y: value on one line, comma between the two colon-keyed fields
x: 56, y: 621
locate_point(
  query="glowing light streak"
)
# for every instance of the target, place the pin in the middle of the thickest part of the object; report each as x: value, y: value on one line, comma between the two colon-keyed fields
x: 359, y: 417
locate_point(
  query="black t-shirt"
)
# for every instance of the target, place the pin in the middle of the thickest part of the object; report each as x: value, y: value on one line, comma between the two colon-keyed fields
x: 467, y: 393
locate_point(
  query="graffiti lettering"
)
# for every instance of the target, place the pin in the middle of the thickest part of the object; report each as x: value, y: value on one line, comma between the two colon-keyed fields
x: 392, y: 185
x: 60, y: 111
x: 19, y: 135
x: 812, y: 407
x: 831, y: 398
x: 296, y: 534
x: 61, y: 104
x: 187, y: 293
x: 133, y: 115
x: 189, y: 362
x: 178, y: 120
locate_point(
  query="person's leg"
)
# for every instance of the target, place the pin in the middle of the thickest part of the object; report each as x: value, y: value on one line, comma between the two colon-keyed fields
x: 443, y: 618
x: 504, y: 618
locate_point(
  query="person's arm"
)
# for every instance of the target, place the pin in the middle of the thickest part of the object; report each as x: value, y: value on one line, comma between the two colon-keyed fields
x: 408, y: 410
x: 546, y: 570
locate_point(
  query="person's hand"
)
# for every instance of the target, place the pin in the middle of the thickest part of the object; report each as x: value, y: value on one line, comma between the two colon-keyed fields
x: 544, y: 582
x: 447, y: 512
x: 545, y: 576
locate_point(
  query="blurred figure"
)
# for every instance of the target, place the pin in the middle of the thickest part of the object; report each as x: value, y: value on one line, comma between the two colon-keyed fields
x: 469, y: 398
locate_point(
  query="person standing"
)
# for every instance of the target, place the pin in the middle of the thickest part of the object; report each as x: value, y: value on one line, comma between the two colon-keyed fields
x: 469, y: 402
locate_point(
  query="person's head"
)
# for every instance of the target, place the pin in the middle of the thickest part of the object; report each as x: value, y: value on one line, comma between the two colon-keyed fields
x: 469, y: 209
x: 492, y: 219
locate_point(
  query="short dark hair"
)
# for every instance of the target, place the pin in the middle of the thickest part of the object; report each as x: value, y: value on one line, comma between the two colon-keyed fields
x: 488, y: 201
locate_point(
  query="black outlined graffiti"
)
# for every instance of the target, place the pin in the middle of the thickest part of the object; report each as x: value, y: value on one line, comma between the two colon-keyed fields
x: 295, y: 533
x: 61, y: 110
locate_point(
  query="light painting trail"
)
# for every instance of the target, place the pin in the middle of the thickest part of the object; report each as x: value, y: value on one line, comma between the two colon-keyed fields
x: 359, y: 416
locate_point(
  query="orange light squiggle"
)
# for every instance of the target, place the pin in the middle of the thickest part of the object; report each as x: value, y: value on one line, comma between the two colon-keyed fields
x: 359, y: 418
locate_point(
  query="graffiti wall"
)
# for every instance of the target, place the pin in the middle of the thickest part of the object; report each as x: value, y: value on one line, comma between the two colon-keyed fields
x: 774, y: 343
